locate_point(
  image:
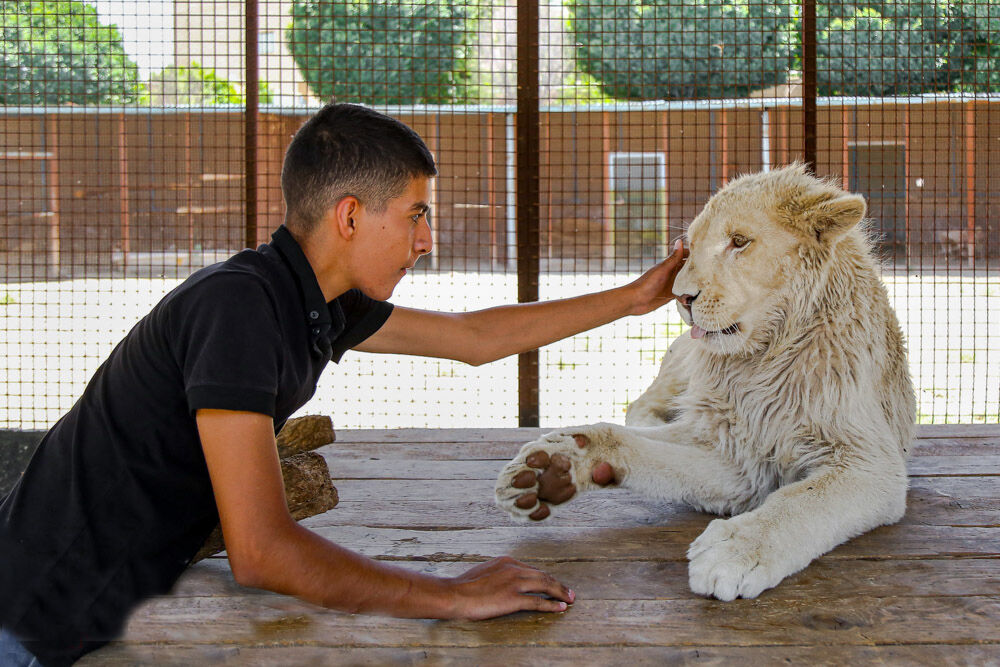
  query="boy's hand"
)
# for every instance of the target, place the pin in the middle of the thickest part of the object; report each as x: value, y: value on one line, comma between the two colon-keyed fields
x: 655, y: 287
x: 503, y: 586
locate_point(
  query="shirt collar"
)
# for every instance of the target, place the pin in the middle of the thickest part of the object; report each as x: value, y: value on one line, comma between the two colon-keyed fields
x: 324, y: 321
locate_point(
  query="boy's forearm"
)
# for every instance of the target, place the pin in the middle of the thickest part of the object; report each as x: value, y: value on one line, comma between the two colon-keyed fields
x: 507, y: 330
x: 307, y: 566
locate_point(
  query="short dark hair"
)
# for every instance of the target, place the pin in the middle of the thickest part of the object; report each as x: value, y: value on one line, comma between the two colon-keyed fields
x: 348, y: 149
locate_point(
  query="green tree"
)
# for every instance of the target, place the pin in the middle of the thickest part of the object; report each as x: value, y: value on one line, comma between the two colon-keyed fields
x: 195, y: 85
x: 879, y: 48
x: 972, y: 56
x: 57, y: 52
x: 682, y: 49
x: 900, y: 48
x: 385, y: 51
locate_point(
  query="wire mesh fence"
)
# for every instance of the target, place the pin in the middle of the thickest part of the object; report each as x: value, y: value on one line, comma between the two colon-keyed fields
x: 575, y: 140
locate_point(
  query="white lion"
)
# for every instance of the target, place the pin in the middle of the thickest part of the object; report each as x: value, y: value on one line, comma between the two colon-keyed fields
x: 788, y: 404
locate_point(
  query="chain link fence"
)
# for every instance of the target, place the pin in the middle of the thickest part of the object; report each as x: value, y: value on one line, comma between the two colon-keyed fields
x: 576, y: 139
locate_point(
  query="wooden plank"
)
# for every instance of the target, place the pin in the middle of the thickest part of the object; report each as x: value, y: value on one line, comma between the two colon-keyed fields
x: 668, y: 580
x: 263, y: 655
x: 761, y: 622
x: 564, y: 543
x: 955, y: 447
x: 413, y: 435
x: 936, y: 465
x: 343, y: 467
x: 924, y: 591
x: 482, y: 489
x: 504, y: 450
x: 600, y: 510
x: 958, y: 431
x: 526, y: 434
x: 377, y: 504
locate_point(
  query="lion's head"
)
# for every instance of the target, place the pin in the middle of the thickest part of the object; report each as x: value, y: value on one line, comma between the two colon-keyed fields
x: 759, y: 242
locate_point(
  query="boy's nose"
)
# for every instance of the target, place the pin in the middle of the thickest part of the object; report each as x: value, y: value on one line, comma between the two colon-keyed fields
x: 424, y: 242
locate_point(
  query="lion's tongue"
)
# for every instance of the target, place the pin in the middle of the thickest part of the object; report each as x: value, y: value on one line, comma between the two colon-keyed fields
x: 697, y: 331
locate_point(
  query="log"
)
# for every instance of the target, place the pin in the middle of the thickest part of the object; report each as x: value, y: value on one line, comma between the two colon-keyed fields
x: 304, y: 434
x: 308, y: 492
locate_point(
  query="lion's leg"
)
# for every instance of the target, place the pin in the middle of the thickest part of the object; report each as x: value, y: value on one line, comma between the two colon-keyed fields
x: 559, y: 465
x: 749, y: 553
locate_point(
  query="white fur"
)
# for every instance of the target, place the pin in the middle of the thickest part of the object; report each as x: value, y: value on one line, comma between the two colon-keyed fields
x: 798, y: 425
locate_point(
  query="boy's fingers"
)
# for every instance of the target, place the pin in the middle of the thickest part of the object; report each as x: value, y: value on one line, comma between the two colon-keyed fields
x: 533, y: 603
x: 542, y: 582
x: 679, y: 251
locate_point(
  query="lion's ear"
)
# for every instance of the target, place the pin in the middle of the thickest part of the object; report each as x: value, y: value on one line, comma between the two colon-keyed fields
x: 834, y: 217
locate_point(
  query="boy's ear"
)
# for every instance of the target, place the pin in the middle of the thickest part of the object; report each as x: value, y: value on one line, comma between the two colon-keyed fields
x: 344, y: 213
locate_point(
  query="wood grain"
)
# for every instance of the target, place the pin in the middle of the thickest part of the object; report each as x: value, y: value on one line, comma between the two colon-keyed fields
x: 925, y: 591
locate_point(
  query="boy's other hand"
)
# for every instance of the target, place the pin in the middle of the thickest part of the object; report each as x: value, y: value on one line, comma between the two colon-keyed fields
x: 504, y: 585
x: 654, y: 288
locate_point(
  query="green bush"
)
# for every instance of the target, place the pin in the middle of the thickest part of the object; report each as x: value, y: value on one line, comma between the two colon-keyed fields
x: 57, y: 52
x: 682, y: 49
x: 879, y: 50
x: 383, y: 51
x: 690, y: 49
x: 195, y: 85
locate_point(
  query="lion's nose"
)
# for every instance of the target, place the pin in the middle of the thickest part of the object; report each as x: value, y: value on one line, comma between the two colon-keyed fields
x: 687, y: 299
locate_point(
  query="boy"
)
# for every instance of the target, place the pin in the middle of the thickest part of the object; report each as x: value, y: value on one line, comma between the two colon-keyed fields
x: 175, y: 431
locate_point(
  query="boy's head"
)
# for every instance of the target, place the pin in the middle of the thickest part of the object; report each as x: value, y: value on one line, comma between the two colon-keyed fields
x: 347, y: 149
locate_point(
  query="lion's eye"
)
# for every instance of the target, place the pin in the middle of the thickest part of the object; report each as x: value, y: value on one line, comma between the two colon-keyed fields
x: 739, y: 241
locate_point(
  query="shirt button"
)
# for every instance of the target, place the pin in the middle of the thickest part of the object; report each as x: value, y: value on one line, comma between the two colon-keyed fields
x: 315, y: 331
x: 313, y: 315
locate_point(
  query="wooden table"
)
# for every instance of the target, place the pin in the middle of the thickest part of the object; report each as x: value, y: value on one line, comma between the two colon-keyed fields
x: 925, y: 591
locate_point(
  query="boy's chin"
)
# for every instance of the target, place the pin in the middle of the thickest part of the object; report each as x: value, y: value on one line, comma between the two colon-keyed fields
x: 380, y: 293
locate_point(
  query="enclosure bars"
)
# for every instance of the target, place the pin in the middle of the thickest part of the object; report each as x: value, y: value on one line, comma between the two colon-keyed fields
x: 809, y: 116
x: 528, y: 197
x: 527, y: 160
x: 252, y: 78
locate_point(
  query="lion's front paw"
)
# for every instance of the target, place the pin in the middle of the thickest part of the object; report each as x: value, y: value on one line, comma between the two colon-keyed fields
x: 546, y: 472
x: 731, y: 559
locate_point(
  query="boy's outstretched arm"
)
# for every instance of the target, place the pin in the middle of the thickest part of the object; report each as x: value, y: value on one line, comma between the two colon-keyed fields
x: 267, y: 549
x: 482, y: 336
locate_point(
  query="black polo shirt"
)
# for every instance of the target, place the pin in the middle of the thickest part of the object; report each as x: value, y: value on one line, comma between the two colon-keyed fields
x: 117, y: 498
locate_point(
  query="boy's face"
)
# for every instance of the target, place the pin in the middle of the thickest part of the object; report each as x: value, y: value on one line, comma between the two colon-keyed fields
x: 390, y: 242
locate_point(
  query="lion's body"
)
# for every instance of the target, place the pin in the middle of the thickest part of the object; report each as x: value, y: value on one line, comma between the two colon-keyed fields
x: 792, y: 409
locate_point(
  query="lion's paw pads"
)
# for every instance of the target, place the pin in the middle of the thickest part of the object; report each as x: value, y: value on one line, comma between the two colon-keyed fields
x: 730, y: 560
x: 543, y: 473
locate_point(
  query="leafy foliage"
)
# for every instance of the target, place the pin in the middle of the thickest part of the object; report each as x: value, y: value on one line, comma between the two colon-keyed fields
x: 384, y: 51
x: 682, y: 49
x: 195, y: 85
x: 57, y: 52
x: 192, y: 85
x: 689, y: 49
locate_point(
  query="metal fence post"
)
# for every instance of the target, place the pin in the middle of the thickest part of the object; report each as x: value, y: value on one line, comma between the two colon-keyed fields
x: 527, y: 184
x: 809, y: 118
x: 252, y: 115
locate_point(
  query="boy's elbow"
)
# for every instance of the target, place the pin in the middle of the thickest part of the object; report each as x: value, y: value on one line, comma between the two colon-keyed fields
x: 248, y: 570
x: 252, y: 562
x: 480, y: 357
x: 477, y: 361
